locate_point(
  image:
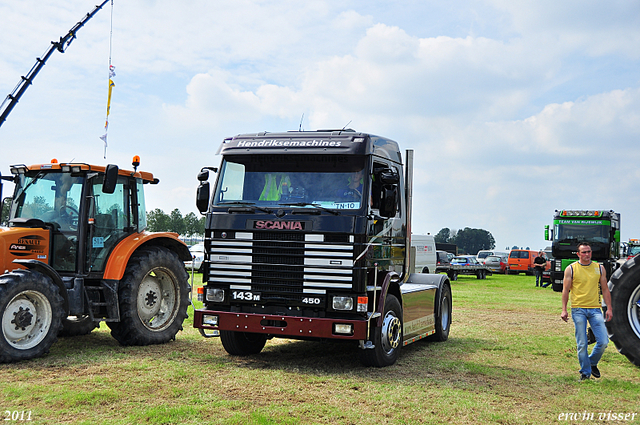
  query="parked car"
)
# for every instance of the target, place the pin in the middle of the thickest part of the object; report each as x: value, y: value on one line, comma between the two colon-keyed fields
x: 197, y: 254
x: 465, y: 260
x: 467, y: 265
x: 443, y: 261
x: 482, y: 255
x: 496, y: 263
x: 521, y: 261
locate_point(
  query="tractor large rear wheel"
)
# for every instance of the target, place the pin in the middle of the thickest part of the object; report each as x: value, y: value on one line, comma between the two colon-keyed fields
x: 153, y: 297
x: 31, y: 314
x: 624, y: 328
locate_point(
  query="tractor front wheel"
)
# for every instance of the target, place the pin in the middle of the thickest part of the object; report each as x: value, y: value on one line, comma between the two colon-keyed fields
x: 31, y: 313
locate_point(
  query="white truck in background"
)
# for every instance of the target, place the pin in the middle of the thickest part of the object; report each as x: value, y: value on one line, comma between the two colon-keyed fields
x: 424, y: 252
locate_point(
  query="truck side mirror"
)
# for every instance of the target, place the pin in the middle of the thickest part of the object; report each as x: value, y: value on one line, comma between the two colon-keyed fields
x: 546, y: 233
x: 203, y: 175
x: 389, y: 201
x: 202, y: 196
x: 389, y: 176
x: 110, y: 179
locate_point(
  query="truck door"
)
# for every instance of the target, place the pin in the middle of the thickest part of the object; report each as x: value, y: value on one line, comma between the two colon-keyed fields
x: 386, y: 233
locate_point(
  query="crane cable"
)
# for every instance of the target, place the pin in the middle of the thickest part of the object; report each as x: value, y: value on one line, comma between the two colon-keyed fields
x: 112, y: 73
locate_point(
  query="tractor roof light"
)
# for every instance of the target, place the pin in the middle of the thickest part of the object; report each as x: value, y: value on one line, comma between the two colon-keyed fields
x: 18, y: 169
x: 135, y: 162
x: 67, y: 168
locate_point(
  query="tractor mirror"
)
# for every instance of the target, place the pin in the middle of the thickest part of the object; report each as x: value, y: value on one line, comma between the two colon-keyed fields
x: 110, y: 179
x: 202, y: 197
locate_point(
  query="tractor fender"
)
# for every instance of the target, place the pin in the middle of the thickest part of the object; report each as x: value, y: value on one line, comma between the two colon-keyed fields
x: 119, y: 257
x: 47, y: 270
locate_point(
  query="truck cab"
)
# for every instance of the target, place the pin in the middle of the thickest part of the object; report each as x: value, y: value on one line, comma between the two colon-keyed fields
x: 601, y: 228
x: 307, y: 235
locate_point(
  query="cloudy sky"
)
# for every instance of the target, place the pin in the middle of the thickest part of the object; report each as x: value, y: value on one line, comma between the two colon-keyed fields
x: 514, y: 108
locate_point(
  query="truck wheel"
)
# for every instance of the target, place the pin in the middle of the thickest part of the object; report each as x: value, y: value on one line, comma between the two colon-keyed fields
x: 31, y: 311
x: 443, y: 320
x: 77, y: 325
x: 452, y: 276
x: 153, y: 298
x: 242, y: 343
x: 387, y: 339
x: 624, y: 328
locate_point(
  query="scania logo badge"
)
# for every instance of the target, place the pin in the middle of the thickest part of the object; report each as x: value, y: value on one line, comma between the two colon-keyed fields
x: 278, y: 225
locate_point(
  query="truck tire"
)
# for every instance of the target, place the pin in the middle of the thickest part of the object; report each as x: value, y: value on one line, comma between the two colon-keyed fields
x: 624, y: 328
x: 387, y: 339
x: 443, y: 319
x: 242, y: 343
x: 77, y: 325
x: 31, y: 314
x: 452, y: 275
x: 153, y: 298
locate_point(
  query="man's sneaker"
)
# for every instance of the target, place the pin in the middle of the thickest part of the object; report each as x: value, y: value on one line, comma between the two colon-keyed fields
x: 595, y: 371
x: 584, y: 377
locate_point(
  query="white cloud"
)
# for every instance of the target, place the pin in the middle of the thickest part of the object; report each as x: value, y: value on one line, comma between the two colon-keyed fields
x: 504, y: 103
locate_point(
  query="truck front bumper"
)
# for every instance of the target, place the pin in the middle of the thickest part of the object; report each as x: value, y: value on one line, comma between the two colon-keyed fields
x: 281, y: 326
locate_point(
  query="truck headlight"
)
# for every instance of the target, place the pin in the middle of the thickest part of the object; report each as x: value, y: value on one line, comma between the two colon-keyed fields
x: 342, y: 303
x: 215, y: 295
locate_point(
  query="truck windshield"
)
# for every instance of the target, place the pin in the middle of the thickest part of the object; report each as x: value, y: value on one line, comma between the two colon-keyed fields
x: 571, y: 233
x: 327, y: 181
x: 50, y: 197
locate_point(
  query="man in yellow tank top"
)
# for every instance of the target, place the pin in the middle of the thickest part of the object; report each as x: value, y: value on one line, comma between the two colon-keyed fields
x: 583, y: 281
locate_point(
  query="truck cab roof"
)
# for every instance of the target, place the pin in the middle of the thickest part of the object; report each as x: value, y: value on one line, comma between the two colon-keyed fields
x: 344, y: 142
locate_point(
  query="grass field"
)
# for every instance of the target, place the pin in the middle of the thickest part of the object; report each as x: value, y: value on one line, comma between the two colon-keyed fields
x: 509, y: 360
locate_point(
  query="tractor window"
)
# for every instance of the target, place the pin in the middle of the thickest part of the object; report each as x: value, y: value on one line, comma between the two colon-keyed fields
x: 110, y: 212
x: 53, y: 198
x: 142, y: 212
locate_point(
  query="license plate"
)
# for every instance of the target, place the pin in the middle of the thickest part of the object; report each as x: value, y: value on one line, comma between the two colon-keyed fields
x: 245, y: 296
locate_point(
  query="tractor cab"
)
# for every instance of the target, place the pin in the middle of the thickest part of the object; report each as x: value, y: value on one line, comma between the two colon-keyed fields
x: 71, y: 216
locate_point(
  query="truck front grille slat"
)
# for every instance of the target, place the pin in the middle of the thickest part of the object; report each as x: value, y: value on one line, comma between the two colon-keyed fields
x: 283, y: 265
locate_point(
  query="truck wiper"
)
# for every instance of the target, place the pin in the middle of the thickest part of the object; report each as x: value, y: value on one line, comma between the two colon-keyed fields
x: 306, y: 204
x: 247, y: 204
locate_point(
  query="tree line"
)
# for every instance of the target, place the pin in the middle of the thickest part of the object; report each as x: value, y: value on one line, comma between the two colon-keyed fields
x: 468, y: 240
x: 189, y: 225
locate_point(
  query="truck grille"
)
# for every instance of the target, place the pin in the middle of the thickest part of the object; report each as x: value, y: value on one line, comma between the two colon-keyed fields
x: 282, y: 265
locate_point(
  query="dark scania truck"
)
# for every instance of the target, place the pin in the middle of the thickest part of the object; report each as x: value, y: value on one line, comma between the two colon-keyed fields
x: 308, y: 236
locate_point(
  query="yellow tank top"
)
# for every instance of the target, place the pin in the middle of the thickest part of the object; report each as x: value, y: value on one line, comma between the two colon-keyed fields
x: 585, y: 289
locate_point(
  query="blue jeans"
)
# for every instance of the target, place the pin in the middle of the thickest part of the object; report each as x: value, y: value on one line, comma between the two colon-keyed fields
x: 580, y: 318
x: 538, y: 273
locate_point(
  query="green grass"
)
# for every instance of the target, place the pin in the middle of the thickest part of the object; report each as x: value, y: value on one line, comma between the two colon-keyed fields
x: 509, y: 360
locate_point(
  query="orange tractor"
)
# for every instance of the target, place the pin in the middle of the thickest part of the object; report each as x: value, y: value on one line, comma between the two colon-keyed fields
x: 76, y: 253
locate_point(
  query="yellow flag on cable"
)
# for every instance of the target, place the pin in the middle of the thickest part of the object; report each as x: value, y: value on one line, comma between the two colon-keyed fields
x: 112, y: 73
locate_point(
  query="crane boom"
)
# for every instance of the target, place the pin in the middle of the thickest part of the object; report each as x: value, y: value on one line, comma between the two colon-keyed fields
x: 12, y: 99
